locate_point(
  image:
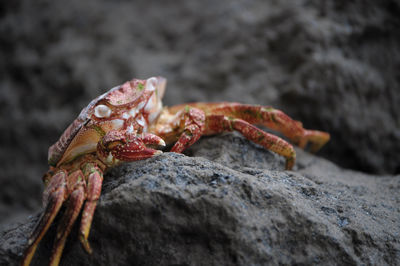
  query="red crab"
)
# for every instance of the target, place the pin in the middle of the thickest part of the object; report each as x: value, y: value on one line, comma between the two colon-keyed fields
x: 129, y: 123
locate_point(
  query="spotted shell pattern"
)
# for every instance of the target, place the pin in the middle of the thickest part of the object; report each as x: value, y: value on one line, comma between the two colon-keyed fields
x: 129, y: 93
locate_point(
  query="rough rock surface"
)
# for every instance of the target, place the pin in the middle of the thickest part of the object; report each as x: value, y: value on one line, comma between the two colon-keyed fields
x: 233, y: 207
x: 331, y: 64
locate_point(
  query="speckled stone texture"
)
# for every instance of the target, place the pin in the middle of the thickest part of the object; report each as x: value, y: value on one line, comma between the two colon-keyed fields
x: 234, y: 207
x: 334, y: 65
x: 331, y: 64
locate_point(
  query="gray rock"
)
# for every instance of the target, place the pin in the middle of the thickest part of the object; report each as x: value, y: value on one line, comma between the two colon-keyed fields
x: 232, y: 206
x: 331, y: 64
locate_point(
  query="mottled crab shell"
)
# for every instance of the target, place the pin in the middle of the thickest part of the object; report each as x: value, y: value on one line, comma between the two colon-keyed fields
x: 128, y: 93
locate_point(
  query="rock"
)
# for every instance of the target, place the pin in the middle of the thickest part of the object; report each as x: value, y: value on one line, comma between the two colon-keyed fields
x: 232, y: 206
x: 332, y: 65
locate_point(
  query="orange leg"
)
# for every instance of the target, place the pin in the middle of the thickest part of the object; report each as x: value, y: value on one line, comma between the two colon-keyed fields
x: 115, y: 147
x: 76, y: 186
x: 190, y: 123
x: 220, y: 123
x: 54, y: 196
x: 94, y: 178
x: 184, y: 128
x: 266, y: 116
x: 226, y: 116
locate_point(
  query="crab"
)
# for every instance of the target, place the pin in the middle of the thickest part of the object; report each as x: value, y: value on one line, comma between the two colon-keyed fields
x: 129, y: 123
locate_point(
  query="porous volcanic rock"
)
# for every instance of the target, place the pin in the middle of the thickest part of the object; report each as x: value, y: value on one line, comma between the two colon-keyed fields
x: 232, y: 206
x: 334, y: 65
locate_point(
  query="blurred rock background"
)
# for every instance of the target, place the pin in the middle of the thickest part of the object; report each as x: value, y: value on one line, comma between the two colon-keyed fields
x: 334, y: 65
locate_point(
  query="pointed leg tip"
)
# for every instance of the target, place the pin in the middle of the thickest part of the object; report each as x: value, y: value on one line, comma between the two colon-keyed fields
x: 161, y: 143
x: 157, y: 152
x: 27, y: 257
x: 315, y: 148
x: 55, y: 258
x: 317, y: 138
x: 288, y: 168
x: 86, y: 245
x: 289, y: 164
x: 89, y: 250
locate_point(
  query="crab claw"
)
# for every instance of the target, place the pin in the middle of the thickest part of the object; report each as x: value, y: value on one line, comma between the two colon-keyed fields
x: 151, y: 139
x: 117, y: 146
x: 133, y: 151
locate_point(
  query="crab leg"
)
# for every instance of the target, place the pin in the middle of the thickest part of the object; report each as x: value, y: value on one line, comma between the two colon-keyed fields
x: 220, y: 123
x: 188, y: 124
x: 317, y: 139
x: 54, y: 196
x: 192, y: 123
x: 266, y: 116
x: 76, y: 187
x: 94, y: 178
x: 222, y: 117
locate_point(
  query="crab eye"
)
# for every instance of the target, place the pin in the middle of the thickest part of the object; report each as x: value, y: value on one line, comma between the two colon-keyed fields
x: 151, y: 84
x: 102, y: 111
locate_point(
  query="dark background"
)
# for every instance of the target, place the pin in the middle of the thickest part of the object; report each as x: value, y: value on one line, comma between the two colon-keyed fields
x: 334, y: 65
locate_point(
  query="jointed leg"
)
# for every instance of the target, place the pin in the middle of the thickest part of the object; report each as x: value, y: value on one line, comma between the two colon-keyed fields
x: 279, y: 121
x: 94, y: 177
x: 317, y: 139
x: 187, y: 124
x: 61, y: 187
x: 266, y: 116
x: 76, y: 185
x: 220, y: 123
x: 192, y: 123
x: 55, y: 194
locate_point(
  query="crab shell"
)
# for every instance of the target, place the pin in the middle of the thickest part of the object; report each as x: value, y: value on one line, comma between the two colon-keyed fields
x: 135, y: 100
